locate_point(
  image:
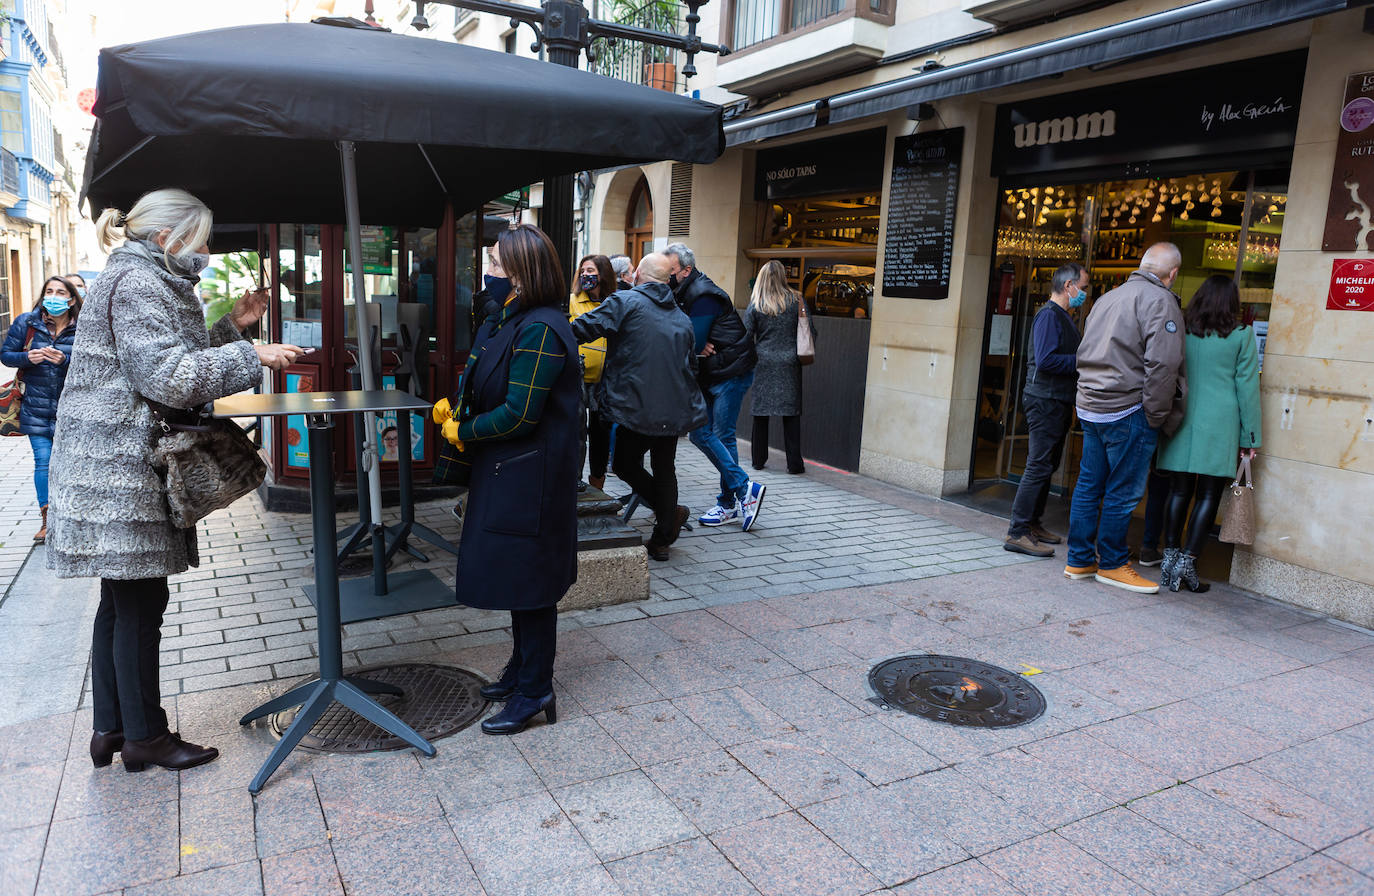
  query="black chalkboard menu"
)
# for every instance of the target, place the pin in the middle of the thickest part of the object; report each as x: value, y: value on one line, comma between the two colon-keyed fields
x: 920, y: 214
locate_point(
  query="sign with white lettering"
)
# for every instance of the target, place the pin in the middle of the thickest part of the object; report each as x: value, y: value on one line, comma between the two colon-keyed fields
x: 1352, y: 285
x: 849, y: 163
x: 1242, y: 107
x: 1350, y: 210
x: 922, y: 198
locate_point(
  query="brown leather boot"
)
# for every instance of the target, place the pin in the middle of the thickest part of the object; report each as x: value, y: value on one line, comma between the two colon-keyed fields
x: 167, y: 750
x: 42, y: 534
x: 597, y: 482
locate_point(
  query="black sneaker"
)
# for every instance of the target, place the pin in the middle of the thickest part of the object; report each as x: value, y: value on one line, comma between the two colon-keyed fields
x: 1150, y: 556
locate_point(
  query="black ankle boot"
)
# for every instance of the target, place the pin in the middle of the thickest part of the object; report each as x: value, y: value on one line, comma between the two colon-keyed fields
x: 518, y: 713
x: 502, y: 687
x: 1185, y: 574
x: 104, y: 744
x: 167, y: 750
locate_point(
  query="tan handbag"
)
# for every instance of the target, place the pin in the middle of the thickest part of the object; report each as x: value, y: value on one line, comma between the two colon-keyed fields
x: 806, y: 345
x: 1238, y: 507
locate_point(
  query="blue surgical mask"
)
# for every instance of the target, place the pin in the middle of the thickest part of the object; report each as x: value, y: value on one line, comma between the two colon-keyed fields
x: 497, y: 287
x: 55, y: 305
x: 1078, y: 300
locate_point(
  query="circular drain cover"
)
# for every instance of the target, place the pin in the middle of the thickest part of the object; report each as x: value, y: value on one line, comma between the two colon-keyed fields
x: 956, y: 690
x: 436, y: 701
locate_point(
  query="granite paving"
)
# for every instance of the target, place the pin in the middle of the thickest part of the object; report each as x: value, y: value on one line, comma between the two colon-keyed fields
x: 718, y: 737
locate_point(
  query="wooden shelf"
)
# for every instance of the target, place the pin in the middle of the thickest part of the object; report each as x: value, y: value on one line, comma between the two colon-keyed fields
x: 823, y: 253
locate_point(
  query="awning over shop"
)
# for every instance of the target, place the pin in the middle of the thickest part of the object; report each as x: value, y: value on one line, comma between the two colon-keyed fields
x: 250, y: 119
x: 1198, y: 23
x: 791, y: 120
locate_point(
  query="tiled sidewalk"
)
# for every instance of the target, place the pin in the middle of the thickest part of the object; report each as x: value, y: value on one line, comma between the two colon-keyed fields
x: 717, y: 739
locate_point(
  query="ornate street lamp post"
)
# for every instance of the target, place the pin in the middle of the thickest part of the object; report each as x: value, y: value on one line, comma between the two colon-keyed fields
x: 566, y: 29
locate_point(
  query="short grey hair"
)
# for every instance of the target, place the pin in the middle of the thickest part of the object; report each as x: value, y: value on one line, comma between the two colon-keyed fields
x: 1161, y: 258
x: 1065, y: 275
x: 685, y: 257
x: 621, y: 265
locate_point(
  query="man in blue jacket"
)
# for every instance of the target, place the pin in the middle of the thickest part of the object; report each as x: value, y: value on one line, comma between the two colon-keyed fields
x: 1047, y: 400
x: 726, y: 371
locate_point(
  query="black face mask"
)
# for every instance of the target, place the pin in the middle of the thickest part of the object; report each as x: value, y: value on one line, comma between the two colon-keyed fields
x: 498, y: 288
x: 589, y: 282
x: 673, y: 282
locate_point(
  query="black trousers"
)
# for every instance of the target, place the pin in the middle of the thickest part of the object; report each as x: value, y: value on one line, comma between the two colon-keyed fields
x: 598, y: 444
x: 658, y: 489
x: 535, y: 633
x: 1205, y: 493
x: 1156, y: 496
x: 125, y: 691
x: 1048, y: 422
x: 791, y: 443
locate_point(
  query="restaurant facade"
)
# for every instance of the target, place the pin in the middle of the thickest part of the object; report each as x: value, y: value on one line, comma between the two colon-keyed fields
x: 923, y: 214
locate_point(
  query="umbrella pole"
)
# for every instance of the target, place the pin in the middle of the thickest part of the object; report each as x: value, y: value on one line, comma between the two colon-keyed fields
x: 370, y: 459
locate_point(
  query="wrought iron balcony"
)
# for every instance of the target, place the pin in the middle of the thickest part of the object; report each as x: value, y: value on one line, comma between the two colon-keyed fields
x: 639, y: 63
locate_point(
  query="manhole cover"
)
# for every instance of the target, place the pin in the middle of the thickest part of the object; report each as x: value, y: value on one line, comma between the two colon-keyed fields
x: 436, y: 701
x: 956, y: 690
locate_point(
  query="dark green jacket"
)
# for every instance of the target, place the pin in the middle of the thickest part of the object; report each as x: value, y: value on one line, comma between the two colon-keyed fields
x: 1223, y: 413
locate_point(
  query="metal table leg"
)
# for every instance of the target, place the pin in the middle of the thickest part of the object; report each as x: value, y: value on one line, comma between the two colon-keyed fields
x: 316, y: 696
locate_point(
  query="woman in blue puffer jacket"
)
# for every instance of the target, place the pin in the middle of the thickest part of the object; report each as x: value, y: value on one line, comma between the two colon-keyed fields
x: 39, y: 346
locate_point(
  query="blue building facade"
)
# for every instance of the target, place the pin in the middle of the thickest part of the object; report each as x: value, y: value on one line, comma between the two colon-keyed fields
x: 26, y: 128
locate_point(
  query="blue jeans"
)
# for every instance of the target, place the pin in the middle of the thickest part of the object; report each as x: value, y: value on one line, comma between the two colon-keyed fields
x: 42, y: 451
x: 1111, y: 481
x: 717, y: 438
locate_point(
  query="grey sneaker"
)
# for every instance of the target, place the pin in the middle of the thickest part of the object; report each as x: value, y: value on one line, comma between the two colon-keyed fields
x: 1150, y: 556
x: 1024, y: 544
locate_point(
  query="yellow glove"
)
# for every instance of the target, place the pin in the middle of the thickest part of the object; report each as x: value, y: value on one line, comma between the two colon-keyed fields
x: 442, y: 413
x: 450, y: 432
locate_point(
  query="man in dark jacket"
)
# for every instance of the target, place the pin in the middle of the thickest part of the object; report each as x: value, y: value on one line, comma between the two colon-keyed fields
x: 648, y: 389
x: 726, y: 371
x: 1051, y: 381
x: 1130, y: 388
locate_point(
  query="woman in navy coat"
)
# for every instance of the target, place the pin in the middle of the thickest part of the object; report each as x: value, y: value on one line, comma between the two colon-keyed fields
x: 39, y: 346
x: 519, y: 421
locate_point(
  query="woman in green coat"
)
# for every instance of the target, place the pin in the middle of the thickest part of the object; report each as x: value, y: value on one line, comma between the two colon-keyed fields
x: 1222, y: 423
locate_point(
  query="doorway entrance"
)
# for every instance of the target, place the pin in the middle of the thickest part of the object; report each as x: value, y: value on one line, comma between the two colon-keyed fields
x: 1224, y: 222
x: 639, y: 222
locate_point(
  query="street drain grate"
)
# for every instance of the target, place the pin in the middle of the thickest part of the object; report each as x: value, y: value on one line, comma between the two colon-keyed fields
x: 436, y: 701
x: 955, y: 690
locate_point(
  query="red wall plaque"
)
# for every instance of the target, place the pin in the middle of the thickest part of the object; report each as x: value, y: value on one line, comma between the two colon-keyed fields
x: 1352, y: 285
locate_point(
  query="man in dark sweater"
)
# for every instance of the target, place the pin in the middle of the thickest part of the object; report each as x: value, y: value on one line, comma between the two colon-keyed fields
x: 726, y: 356
x: 1047, y: 400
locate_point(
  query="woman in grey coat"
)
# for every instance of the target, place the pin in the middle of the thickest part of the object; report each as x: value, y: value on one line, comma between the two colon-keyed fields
x: 143, y: 336
x: 771, y: 319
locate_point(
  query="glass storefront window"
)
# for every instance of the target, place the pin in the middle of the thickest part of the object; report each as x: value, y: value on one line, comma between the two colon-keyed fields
x: 1226, y: 222
x: 465, y: 275
x: 831, y: 247
x: 301, y: 284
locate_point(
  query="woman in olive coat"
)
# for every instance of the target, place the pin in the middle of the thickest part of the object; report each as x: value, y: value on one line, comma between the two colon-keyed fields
x: 1221, y: 424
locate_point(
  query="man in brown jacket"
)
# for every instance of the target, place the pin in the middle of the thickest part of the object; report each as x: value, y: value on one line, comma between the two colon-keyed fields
x: 1130, y: 386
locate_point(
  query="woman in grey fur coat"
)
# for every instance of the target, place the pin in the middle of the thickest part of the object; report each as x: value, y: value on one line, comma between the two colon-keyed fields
x: 143, y: 336
x: 771, y: 319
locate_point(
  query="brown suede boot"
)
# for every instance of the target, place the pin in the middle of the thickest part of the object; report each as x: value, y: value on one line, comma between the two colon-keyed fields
x: 42, y: 534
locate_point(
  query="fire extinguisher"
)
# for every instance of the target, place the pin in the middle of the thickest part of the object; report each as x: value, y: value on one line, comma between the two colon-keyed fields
x: 1007, y: 281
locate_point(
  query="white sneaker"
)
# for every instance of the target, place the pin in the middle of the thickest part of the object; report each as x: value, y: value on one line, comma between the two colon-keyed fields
x: 751, y: 505
x: 719, y: 516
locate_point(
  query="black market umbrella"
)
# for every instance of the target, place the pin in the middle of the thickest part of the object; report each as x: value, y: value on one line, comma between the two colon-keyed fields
x: 249, y: 119
x: 325, y: 124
